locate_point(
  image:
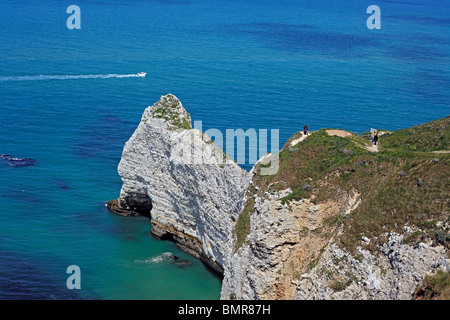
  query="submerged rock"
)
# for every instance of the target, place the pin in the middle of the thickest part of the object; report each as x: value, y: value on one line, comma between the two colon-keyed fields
x: 181, y: 263
x: 62, y: 184
x: 167, y: 257
x: 17, y: 162
x: 21, y: 162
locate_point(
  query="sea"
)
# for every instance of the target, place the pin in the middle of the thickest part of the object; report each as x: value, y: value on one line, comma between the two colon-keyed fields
x: 70, y: 98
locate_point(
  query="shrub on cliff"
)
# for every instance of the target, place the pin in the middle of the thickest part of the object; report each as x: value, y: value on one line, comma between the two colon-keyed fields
x: 435, y: 287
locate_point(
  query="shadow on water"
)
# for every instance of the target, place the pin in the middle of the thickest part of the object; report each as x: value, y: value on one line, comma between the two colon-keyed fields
x: 297, y: 38
x: 61, y: 184
x: 124, y: 228
x: 25, y: 196
x: 104, y: 138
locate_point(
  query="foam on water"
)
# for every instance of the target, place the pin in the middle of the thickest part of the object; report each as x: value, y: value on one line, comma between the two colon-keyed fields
x: 163, y: 257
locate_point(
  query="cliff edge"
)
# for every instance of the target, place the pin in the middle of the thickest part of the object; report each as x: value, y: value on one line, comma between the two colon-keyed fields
x: 336, y: 221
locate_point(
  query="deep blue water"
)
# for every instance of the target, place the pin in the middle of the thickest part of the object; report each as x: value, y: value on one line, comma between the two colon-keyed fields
x: 234, y: 64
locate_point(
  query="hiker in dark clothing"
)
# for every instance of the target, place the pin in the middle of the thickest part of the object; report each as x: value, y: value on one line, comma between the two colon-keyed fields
x: 305, y: 130
x: 375, y: 139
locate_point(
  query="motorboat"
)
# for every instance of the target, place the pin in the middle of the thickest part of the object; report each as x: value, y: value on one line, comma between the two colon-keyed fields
x: 142, y: 74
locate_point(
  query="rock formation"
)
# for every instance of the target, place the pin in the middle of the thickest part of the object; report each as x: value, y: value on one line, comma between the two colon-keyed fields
x: 297, y: 244
x: 193, y: 190
x: 283, y: 242
x: 17, y: 162
x: 291, y: 254
x: 290, y: 236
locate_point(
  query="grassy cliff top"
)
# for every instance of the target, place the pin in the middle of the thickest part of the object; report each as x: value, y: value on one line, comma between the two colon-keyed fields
x: 427, y: 137
x: 170, y: 109
x: 405, y: 183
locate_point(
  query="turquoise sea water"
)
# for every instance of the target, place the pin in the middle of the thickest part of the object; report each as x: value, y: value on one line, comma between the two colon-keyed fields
x: 233, y: 64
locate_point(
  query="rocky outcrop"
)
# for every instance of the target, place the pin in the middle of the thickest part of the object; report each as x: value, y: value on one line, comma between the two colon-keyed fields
x: 17, y: 162
x: 291, y: 253
x: 287, y: 247
x: 298, y: 247
x: 393, y: 274
x: 183, y: 181
x: 285, y: 240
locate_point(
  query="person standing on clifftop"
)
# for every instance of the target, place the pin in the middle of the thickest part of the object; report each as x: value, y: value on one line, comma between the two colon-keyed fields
x: 305, y: 130
x: 374, y: 133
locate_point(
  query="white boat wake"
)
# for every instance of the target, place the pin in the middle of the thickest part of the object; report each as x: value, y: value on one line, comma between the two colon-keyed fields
x: 70, y: 77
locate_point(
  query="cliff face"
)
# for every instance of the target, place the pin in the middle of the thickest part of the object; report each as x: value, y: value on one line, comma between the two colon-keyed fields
x: 339, y: 222
x: 194, y: 191
x: 336, y: 221
x: 291, y: 252
x: 283, y: 243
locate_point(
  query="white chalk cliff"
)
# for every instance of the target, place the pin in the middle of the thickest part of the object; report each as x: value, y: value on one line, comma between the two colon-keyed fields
x: 194, y: 194
x: 193, y: 189
x: 289, y: 255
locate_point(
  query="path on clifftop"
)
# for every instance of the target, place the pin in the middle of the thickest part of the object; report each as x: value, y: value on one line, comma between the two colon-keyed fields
x: 372, y: 148
x: 303, y: 137
x: 335, y: 132
x: 345, y: 134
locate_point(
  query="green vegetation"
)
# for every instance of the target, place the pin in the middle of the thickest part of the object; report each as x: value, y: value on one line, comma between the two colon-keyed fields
x: 339, y: 285
x: 242, y: 228
x: 171, y: 111
x: 391, y: 200
x: 431, y: 136
x: 309, y: 162
x: 404, y: 184
x: 435, y: 287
